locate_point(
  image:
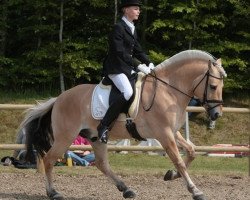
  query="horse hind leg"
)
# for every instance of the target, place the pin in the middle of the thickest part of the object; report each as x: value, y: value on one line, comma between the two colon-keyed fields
x: 56, y: 151
x: 101, y: 162
x: 190, y: 156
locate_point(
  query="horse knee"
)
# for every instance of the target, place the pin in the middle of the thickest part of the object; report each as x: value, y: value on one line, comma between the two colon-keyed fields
x: 180, y: 164
x: 191, y: 153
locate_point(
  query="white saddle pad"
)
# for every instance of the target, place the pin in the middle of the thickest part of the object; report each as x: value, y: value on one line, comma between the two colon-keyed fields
x: 100, y: 100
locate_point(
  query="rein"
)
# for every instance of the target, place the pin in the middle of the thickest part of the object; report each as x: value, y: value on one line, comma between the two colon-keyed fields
x: 205, y: 100
x: 158, y: 79
x: 155, y: 85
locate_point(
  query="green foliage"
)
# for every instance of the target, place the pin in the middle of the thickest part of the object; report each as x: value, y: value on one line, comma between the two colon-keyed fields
x: 4, y: 63
x: 157, y: 57
x: 220, y: 29
x: 30, y: 52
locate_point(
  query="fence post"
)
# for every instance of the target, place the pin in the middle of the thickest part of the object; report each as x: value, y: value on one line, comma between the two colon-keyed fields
x: 187, y: 135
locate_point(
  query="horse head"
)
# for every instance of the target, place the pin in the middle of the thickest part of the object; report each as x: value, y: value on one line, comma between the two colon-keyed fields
x: 209, y: 88
x: 201, y: 76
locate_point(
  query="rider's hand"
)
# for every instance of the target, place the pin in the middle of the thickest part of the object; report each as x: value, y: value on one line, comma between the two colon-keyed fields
x: 143, y: 68
x: 151, y: 66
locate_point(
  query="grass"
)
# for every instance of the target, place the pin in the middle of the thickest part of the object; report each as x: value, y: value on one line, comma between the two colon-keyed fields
x: 24, y: 97
x: 159, y: 164
x: 231, y: 128
x: 141, y: 164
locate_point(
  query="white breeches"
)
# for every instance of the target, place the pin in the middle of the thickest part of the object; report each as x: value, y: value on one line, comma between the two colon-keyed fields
x: 122, y: 83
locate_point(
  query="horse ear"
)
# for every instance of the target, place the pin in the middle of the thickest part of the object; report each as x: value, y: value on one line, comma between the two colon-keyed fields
x: 222, y: 71
x: 218, y: 61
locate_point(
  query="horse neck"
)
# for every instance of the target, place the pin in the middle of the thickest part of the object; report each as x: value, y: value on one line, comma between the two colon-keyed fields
x: 181, y: 76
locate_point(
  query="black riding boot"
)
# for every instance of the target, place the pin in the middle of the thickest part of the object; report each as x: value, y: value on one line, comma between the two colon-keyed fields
x: 112, y: 113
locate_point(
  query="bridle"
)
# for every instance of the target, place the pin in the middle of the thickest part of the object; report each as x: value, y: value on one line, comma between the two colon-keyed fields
x: 205, y: 100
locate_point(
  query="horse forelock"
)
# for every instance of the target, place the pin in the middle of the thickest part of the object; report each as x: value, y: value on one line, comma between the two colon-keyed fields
x: 184, y: 56
x: 221, y: 70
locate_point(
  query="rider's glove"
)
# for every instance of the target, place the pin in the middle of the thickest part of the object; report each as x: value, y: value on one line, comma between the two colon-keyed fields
x: 151, y: 66
x: 143, y: 68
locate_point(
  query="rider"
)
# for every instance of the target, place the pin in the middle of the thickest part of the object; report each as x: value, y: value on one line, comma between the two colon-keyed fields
x: 119, y: 64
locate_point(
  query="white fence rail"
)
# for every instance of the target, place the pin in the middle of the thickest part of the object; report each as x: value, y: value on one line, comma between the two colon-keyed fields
x: 138, y: 148
x: 189, y: 108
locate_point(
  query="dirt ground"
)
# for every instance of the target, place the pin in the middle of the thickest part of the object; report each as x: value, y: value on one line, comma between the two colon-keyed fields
x: 97, y: 187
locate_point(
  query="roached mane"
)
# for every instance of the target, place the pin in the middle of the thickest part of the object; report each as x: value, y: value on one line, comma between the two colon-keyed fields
x: 186, y: 55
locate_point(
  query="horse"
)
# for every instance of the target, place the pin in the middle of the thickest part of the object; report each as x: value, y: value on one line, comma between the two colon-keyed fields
x: 52, y: 126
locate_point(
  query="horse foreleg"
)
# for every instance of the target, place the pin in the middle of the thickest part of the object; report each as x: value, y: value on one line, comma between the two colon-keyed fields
x: 173, y: 153
x: 102, y: 163
x: 189, y: 148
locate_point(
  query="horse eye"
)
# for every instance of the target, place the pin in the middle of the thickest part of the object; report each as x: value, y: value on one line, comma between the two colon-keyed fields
x: 213, y: 87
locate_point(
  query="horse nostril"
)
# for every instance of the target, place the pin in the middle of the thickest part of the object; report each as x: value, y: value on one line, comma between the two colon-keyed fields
x: 216, y: 115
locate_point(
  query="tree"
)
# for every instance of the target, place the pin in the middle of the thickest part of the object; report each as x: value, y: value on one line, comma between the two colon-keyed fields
x: 221, y: 29
x: 62, y: 86
x: 3, y: 26
x: 30, y: 51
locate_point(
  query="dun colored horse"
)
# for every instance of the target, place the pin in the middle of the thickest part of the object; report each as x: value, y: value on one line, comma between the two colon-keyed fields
x: 52, y: 126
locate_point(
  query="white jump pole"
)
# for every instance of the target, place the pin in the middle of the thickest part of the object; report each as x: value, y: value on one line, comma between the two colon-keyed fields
x: 189, y: 108
x: 139, y: 148
x: 187, y: 133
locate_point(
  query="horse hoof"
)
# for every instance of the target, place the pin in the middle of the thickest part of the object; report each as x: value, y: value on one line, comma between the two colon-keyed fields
x: 129, y: 194
x: 199, y: 197
x: 56, y: 196
x: 59, y: 198
x: 168, y: 175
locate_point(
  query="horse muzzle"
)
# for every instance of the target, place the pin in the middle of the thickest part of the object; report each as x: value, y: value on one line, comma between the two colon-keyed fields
x: 214, y: 116
x: 214, y: 110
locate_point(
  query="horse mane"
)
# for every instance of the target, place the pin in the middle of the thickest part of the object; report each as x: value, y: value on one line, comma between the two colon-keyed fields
x: 186, y: 55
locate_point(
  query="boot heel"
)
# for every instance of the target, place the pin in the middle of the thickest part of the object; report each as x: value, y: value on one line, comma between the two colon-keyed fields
x: 102, y: 133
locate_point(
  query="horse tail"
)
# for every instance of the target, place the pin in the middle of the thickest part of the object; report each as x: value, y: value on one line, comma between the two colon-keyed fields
x: 37, y: 126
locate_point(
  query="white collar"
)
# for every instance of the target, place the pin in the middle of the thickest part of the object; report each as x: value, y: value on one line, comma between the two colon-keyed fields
x: 130, y: 24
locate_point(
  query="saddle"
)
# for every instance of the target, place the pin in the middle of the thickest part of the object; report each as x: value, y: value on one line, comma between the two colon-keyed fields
x: 104, y: 94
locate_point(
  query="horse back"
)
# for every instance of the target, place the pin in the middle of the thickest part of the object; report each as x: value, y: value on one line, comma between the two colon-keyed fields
x: 71, y: 104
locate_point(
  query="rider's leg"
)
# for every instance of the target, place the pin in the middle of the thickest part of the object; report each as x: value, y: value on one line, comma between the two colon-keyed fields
x: 122, y: 83
x: 111, y: 115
